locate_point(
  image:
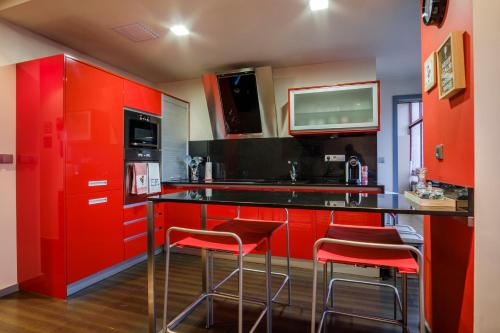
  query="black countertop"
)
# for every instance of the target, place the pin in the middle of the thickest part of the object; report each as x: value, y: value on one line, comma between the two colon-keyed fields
x: 375, y: 203
x: 322, y: 182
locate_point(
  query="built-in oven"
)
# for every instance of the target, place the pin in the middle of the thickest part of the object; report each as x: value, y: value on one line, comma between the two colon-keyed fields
x: 142, y: 156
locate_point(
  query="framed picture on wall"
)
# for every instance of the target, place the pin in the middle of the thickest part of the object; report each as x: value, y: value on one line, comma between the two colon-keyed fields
x: 430, y: 72
x: 451, y: 65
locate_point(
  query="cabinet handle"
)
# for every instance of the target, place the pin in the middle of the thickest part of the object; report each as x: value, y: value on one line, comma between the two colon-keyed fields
x: 95, y: 183
x: 97, y: 201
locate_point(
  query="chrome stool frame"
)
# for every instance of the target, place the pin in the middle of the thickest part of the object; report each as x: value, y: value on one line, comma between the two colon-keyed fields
x: 211, y: 292
x: 328, y: 286
x: 286, y: 277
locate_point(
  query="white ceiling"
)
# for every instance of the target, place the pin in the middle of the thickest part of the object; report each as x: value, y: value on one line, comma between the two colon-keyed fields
x: 230, y: 33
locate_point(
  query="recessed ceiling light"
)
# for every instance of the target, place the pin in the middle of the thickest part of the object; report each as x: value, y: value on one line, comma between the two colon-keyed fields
x: 180, y: 30
x: 318, y: 4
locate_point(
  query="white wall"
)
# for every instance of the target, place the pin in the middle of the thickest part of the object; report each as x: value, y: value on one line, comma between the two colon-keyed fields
x: 310, y: 75
x: 17, y: 45
x: 487, y: 160
x: 389, y: 87
x: 316, y: 75
x: 192, y: 91
x: 284, y: 78
x: 8, y: 265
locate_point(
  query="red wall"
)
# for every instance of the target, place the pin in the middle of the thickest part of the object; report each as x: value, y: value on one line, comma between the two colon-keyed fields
x: 450, y: 121
x: 449, y: 242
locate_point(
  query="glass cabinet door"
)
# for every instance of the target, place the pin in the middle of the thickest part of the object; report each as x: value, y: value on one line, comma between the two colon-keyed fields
x: 335, y: 108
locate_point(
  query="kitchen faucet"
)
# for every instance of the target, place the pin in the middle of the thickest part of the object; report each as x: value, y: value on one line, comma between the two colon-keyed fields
x: 293, y: 170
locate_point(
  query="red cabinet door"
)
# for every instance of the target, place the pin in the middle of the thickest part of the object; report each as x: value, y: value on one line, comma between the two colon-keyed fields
x: 182, y: 215
x: 142, y: 98
x: 94, y: 129
x: 356, y: 218
x: 302, y: 233
x: 94, y: 231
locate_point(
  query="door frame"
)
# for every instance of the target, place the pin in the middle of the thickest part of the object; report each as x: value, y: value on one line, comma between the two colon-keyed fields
x: 395, y: 101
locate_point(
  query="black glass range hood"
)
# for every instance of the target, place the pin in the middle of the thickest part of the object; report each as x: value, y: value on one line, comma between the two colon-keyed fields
x: 241, y: 103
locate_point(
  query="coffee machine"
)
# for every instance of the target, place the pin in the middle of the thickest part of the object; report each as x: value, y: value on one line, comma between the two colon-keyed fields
x: 353, y: 170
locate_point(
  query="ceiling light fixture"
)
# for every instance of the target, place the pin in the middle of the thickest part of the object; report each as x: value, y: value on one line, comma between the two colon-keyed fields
x: 318, y: 4
x: 179, y: 30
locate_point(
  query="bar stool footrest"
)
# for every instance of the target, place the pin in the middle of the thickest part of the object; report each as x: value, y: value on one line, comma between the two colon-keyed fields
x: 377, y: 284
x: 168, y: 328
x: 359, y: 316
x: 286, y: 279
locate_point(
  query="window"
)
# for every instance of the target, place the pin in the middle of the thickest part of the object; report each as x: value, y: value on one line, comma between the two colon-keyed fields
x: 416, y: 136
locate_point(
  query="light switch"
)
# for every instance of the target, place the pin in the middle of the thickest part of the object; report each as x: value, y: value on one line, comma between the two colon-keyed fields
x: 6, y: 158
x: 439, y: 152
x: 334, y: 158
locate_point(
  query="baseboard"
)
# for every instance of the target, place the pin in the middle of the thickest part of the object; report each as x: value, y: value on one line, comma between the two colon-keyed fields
x: 9, y: 290
x: 296, y: 263
x: 93, y: 279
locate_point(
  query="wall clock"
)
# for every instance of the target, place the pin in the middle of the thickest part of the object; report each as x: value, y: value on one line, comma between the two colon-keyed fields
x: 430, y: 72
x: 433, y: 11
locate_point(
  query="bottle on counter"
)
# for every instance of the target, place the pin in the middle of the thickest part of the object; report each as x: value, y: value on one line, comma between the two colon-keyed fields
x: 208, y: 170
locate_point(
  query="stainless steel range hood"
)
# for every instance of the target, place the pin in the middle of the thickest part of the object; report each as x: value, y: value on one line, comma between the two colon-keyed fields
x: 241, y: 103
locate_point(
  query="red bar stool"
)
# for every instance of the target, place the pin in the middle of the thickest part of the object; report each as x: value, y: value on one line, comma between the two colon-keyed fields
x: 239, y: 238
x: 367, y: 246
x: 270, y: 225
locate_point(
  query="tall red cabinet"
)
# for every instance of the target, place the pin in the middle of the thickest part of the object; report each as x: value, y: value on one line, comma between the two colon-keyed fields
x: 69, y: 172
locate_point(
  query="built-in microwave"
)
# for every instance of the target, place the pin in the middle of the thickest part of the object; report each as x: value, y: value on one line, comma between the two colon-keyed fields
x: 142, y: 141
x: 141, y: 130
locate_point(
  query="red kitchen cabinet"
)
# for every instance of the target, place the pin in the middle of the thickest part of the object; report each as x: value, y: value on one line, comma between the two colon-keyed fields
x: 306, y: 226
x: 135, y: 227
x: 41, y: 237
x: 69, y: 152
x: 94, y: 229
x: 182, y: 215
x: 302, y: 233
x: 360, y: 219
x: 94, y: 129
x: 342, y: 108
x: 135, y: 212
x: 138, y: 244
x: 142, y: 98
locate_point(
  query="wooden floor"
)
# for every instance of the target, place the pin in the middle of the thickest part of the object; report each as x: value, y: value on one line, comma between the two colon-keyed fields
x: 118, y: 304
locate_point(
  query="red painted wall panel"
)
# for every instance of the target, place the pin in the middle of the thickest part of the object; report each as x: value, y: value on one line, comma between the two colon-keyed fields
x: 450, y: 121
x: 450, y: 272
x: 39, y: 176
x: 449, y: 242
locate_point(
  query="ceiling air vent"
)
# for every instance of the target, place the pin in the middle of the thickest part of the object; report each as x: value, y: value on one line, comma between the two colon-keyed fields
x: 136, y: 32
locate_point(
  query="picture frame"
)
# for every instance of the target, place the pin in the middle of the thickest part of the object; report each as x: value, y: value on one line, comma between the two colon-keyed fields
x: 429, y: 71
x: 451, y: 65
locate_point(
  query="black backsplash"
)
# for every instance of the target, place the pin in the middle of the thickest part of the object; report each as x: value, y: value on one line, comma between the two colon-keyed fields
x: 268, y: 158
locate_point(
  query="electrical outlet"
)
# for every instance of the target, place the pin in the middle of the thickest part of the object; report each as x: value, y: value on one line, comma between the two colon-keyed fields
x: 334, y: 158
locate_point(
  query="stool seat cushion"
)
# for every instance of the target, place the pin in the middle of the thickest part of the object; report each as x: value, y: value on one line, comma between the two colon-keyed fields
x: 355, y: 255
x: 253, y: 235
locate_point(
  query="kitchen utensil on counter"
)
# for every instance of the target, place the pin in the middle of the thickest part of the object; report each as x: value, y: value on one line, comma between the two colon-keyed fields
x: 208, y: 170
x: 421, y: 184
x: 353, y: 171
x: 193, y: 163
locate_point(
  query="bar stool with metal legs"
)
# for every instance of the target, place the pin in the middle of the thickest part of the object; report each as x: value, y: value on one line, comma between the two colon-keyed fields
x: 270, y: 225
x: 368, y: 246
x: 239, y: 238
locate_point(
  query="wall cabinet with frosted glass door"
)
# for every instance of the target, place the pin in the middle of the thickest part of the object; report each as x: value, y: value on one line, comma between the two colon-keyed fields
x: 343, y: 108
